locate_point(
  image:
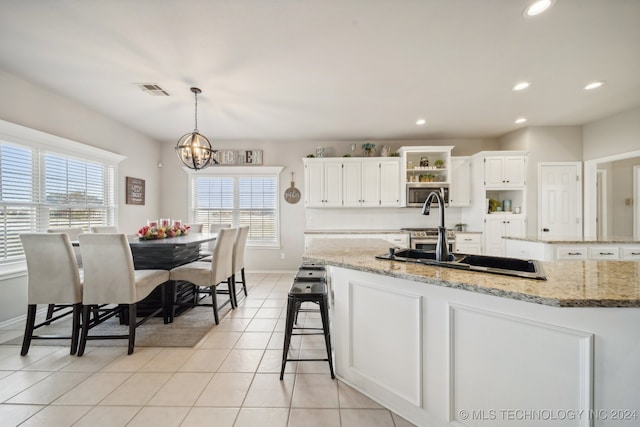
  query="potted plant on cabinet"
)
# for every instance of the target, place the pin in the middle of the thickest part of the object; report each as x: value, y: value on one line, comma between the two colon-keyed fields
x: 439, y: 163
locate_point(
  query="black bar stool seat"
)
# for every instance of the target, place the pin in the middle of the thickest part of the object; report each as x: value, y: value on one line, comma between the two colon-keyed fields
x: 309, y: 286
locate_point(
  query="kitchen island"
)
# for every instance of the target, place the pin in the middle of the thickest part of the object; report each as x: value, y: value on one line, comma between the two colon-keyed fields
x: 445, y: 347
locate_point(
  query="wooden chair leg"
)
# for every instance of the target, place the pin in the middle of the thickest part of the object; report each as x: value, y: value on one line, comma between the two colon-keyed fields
x: 244, y: 281
x: 28, y: 329
x: 214, y: 303
x: 50, y: 309
x: 132, y: 327
x: 75, y: 328
x: 86, y: 311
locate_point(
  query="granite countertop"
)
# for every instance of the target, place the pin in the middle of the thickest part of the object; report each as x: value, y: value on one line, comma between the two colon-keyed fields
x: 583, y: 241
x: 568, y: 284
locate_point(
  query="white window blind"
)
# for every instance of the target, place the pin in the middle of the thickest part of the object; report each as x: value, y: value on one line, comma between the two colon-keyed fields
x: 238, y: 200
x: 41, y: 189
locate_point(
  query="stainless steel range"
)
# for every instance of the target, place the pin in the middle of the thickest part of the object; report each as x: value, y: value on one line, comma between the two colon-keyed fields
x: 427, y: 238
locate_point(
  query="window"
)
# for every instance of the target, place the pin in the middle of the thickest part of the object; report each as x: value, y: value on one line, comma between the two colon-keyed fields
x: 46, y: 181
x: 239, y: 196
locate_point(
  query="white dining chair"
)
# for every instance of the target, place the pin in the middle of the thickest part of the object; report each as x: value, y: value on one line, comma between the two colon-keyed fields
x: 195, y: 228
x: 210, y: 274
x: 239, y: 246
x: 53, y: 278
x: 104, y: 229
x: 73, y: 233
x: 112, y: 285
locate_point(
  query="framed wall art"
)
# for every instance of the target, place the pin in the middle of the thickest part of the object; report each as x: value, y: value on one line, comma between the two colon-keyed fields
x: 134, y: 191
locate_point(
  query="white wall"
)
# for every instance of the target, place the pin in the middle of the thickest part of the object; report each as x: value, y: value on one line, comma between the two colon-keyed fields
x: 32, y: 106
x: 620, y: 213
x: 292, y: 218
x: 617, y: 134
x: 544, y: 144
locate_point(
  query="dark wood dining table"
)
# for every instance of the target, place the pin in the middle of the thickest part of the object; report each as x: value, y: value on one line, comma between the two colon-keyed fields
x: 166, y: 254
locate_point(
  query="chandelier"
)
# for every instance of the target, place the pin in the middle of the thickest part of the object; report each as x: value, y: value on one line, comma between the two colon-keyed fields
x: 194, y: 149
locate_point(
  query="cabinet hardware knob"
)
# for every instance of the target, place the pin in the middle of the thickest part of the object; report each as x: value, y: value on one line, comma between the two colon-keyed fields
x: 606, y: 253
x: 635, y: 253
x: 574, y: 253
x: 546, y: 230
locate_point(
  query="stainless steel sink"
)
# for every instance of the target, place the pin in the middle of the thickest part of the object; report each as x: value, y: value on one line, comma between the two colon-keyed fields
x: 530, y: 269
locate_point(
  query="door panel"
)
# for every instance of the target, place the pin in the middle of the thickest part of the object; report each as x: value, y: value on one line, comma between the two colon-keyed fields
x: 559, y: 202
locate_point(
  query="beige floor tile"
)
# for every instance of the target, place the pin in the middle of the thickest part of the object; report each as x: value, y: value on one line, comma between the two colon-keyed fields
x: 108, y: 416
x: 242, y: 361
x: 56, y: 416
x: 262, y: 325
x: 313, y: 342
x: 275, y: 303
x: 10, y: 335
x: 137, y: 390
x: 13, y: 361
x: 352, y: 398
x: 93, y: 389
x: 205, y: 360
x: 94, y: 360
x: 154, y: 416
x: 272, y: 417
x: 220, y: 340
x: 168, y: 360
x: 232, y: 325
x: 53, y: 361
x: 252, y: 301
x: 401, y: 422
x: 277, y: 342
x: 366, y: 418
x: 16, y: 382
x: 314, y: 418
x: 50, y: 388
x: 253, y: 340
x: 268, y: 391
x: 272, y: 363
x: 315, y: 391
x: 312, y: 366
x: 218, y: 417
x: 132, y: 362
x: 225, y: 390
x: 13, y: 415
x: 182, y: 389
x: 243, y: 312
x: 269, y: 313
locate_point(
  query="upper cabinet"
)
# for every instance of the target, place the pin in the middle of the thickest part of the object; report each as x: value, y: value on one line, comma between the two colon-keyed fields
x: 460, y: 187
x: 504, y: 171
x: 427, y: 164
x: 352, y: 182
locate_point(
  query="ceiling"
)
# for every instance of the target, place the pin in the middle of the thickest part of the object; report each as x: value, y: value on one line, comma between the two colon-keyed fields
x: 329, y: 69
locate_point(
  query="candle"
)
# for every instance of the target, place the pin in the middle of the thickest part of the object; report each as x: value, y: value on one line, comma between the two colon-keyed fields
x: 152, y: 222
x: 164, y: 222
x: 177, y: 223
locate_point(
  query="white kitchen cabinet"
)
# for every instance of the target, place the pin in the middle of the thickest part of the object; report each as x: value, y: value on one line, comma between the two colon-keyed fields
x: 497, y: 226
x: 504, y: 171
x: 630, y: 253
x: 460, y: 186
x: 323, y: 184
x: 468, y: 243
x: 352, y: 182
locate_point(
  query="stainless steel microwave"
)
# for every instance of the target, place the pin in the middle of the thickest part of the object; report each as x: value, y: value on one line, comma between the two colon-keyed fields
x: 417, y: 193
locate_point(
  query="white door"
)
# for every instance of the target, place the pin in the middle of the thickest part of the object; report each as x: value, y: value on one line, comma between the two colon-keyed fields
x: 559, y: 201
x: 636, y: 202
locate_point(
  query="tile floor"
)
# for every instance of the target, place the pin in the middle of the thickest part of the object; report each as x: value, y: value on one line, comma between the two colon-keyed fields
x: 230, y: 378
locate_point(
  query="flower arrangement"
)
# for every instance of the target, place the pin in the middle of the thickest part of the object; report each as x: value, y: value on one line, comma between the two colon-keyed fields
x: 368, y: 148
x: 158, y: 232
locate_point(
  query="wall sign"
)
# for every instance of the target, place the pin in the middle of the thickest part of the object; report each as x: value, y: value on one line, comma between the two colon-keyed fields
x: 134, y: 191
x: 238, y: 157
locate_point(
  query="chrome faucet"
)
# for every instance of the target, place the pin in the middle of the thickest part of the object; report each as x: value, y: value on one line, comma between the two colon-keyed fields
x: 442, y: 247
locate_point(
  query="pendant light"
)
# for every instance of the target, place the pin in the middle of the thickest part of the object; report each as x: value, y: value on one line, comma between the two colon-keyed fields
x: 193, y: 148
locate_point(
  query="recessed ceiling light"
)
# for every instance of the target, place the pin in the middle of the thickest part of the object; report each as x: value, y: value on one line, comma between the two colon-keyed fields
x: 520, y: 120
x: 521, y: 86
x: 421, y: 122
x: 537, y: 7
x: 593, y: 85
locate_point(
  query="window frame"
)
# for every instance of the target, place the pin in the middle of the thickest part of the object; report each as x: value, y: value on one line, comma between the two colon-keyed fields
x: 240, y: 171
x: 41, y: 143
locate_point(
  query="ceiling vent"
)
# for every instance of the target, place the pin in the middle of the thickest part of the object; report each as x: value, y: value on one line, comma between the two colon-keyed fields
x: 152, y: 89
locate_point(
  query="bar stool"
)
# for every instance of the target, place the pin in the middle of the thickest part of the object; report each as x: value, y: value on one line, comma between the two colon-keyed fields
x: 308, y: 286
